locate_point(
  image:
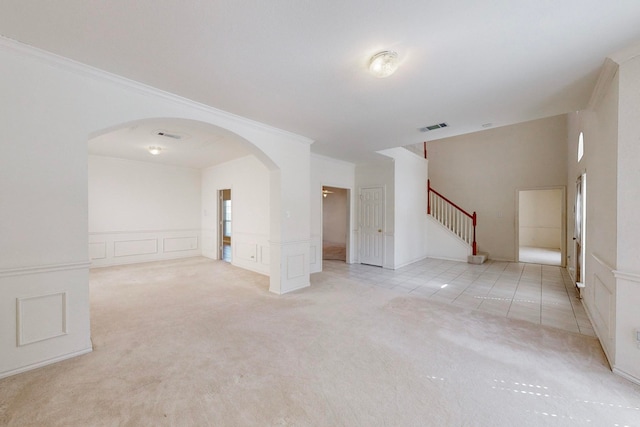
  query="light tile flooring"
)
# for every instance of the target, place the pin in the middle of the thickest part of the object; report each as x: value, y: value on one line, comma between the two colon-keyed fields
x: 536, y: 293
x: 540, y: 255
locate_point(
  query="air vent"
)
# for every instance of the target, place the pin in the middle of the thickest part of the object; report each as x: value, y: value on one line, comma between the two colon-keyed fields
x: 167, y: 134
x: 433, y: 127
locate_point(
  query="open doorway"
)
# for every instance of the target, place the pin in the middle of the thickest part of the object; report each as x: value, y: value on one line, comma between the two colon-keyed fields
x: 335, y: 223
x: 540, y: 226
x: 224, y: 231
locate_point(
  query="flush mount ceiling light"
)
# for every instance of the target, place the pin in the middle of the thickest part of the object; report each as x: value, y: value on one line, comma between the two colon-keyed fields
x: 383, y: 64
x: 155, y: 150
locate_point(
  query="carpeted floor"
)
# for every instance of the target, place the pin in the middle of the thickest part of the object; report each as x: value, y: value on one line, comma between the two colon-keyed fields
x: 203, y: 343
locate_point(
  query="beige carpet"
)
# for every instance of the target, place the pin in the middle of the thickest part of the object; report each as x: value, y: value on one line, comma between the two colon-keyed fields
x: 202, y: 343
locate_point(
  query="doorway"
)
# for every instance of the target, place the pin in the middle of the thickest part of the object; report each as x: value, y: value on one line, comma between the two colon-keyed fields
x: 335, y: 223
x: 225, y: 228
x: 371, y: 226
x: 541, y: 226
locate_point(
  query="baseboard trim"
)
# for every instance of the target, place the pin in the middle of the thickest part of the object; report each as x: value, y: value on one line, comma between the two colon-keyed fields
x: 143, y: 261
x: 306, y: 285
x: 626, y: 376
x: 404, y: 264
x: 45, y: 363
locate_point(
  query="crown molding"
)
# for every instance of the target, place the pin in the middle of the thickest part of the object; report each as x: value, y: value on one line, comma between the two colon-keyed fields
x: 608, y: 71
x: 85, y: 70
x: 626, y: 54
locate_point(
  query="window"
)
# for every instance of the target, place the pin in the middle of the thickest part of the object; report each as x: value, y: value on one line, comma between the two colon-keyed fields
x: 226, y: 218
x: 580, y: 146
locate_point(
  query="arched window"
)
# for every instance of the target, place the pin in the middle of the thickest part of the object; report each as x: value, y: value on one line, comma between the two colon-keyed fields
x: 580, y: 146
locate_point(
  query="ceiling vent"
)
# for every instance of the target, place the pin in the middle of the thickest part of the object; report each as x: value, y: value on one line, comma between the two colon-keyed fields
x: 433, y: 127
x: 166, y: 134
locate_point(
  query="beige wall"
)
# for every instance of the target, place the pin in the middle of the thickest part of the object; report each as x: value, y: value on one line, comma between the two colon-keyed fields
x: 334, y: 216
x: 540, y: 218
x: 482, y: 172
x: 611, y: 157
x: 628, y: 194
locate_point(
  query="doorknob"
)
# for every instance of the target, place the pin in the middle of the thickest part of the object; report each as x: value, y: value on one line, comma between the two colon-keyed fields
x: 379, y: 230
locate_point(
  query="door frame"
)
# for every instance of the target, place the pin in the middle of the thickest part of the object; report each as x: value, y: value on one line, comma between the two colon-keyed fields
x: 563, y: 221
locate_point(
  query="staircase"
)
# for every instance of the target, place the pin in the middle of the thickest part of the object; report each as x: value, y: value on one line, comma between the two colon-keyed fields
x: 456, y: 220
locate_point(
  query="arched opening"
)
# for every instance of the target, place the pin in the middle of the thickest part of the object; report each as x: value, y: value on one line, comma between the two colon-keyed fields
x: 151, y: 207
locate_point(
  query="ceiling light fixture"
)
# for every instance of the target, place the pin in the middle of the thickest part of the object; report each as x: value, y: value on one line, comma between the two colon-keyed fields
x: 155, y: 150
x: 383, y: 64
x: 325, y: 192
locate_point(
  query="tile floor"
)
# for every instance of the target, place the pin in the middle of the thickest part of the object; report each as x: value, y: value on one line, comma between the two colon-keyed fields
x: 536, y: 293
x: 540, y: 255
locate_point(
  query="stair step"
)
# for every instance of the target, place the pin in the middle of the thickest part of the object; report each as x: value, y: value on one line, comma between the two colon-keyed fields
x: 478, y: 259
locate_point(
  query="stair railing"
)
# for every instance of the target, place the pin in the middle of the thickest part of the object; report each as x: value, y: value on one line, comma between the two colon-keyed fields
x: 452, y: 216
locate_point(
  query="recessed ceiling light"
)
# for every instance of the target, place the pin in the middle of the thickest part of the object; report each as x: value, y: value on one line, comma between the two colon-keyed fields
x: 383, y: 64
x: 155, y: 150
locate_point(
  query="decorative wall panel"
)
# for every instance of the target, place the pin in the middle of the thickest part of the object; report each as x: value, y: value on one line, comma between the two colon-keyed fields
x: 41, y: 317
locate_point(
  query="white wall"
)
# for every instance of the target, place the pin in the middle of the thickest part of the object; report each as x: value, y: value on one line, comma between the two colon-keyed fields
x: 410, y: 206
x: 326, y: 171
x: 481, y: 172
x: 248, y: 180
x: 50, y: 107
x: 141, y: 211
x: 540, y: 218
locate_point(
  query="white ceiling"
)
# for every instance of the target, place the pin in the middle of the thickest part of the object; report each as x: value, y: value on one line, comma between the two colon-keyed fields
x: 199, y: 145
x: 302, y: 65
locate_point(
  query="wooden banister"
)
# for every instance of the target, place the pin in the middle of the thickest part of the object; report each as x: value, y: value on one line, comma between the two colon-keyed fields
x: 450, y: 215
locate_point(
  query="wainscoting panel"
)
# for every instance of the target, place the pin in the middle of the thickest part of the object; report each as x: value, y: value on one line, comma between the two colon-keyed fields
x: 599, y: 302
x: 265, y: 258
x: 143, y: 246
x: 97, y: 250
x: 315, y: 254
x: 251, y: 251
x: 177, y: 244
x: 295, y: 266
x: 209, y: 244
x: 602, y: 298
x: 246, y: 252
x: 135, y: 247
x: 293, y: 259
x: 44, y: 315
x: 41, y: 317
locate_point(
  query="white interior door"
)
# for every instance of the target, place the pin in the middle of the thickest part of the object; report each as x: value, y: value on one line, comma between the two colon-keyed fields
x: 371, y: 226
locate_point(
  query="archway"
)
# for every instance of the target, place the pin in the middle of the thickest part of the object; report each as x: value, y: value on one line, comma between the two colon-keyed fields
x: 146, y: 206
